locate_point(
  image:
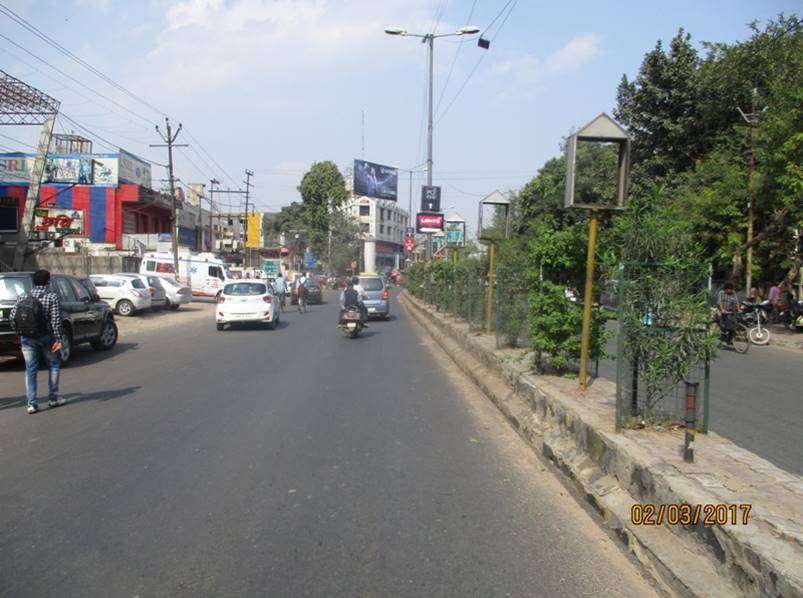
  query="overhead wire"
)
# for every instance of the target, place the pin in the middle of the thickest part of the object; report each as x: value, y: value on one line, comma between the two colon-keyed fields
x: 512, y: 4
x: 454, y: 60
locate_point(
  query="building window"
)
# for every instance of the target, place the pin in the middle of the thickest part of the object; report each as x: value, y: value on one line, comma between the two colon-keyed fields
x: 381, y: 229
x: 365, y: 210
x: 381, y: 213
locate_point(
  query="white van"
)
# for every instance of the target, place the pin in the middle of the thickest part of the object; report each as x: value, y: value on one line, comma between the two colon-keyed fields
x: 204, y: 272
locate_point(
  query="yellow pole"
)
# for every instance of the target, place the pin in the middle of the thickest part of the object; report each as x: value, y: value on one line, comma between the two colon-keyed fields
x: 592, y: 246
x: 489, y: 308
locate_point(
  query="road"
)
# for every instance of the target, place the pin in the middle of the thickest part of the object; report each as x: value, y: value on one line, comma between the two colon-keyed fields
x: 756, y: 400
x: 294, y: 462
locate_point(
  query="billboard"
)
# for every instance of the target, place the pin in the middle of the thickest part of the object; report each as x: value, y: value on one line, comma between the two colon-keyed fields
x: 134, y: 170
x: 430, y: 198
x: 81, y: 169
x: 58, y: 222
x: 429, y: 223
x: 254, y: 240
x: 375, y: 180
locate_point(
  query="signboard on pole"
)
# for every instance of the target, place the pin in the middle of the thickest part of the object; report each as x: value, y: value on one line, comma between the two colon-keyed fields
x: 430, y: 198
x: 254, y: 240
x: 409, y: 244
x: 429, y: 223
x: 310, y: 261
x: 271, y: 267
x: 376, y: 180
x: 58, y: 222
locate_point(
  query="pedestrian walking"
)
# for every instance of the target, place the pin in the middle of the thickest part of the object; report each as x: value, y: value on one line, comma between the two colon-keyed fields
x: 36, y: 318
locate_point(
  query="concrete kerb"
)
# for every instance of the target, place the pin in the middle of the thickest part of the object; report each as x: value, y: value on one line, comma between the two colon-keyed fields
x: 614, y: 471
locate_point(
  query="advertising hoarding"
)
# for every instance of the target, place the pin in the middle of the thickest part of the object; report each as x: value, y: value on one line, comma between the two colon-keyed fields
x: 134, y: 170
x: 254, y: 240
x: 428, y: 222
x: 80, y: 169
x: 430, y: 198
x: 58, y: 222
x: 376, y: 180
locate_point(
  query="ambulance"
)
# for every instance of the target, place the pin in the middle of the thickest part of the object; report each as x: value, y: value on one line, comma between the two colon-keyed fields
x: 204, y: 272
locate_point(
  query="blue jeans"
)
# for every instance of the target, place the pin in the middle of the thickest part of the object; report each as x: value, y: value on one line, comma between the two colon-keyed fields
x: 34, y: 350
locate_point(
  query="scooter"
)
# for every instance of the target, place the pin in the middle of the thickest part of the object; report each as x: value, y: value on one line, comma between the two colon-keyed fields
x: 351, y: 322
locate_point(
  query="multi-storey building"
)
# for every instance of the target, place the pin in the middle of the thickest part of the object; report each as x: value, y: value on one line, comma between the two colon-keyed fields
x: 382, y: 224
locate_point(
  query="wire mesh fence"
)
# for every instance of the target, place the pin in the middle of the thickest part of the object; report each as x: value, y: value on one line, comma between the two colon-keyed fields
x: 664, y: 343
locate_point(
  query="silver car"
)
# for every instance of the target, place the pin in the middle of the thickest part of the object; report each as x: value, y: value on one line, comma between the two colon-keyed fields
x: 124, y: 295
x: 177, y: 294
x: 377, y: 296
x: 154, y: 284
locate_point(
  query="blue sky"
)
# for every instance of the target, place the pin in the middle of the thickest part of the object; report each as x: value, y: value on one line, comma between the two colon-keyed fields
x: 275, y: 85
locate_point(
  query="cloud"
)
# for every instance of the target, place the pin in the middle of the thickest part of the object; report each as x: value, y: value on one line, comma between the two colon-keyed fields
x: 573, y: 55
x: 524, y: 72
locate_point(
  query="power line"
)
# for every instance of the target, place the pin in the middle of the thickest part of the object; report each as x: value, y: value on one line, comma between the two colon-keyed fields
x: 454, y: 60
x: 25, y: 24
x: 512, y: 4
x: 18, y: 141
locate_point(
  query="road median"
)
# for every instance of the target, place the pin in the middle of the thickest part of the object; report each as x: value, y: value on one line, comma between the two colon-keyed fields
x: 760, y: 555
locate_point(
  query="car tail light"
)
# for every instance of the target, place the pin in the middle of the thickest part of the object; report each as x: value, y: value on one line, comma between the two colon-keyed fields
x: 386, y: 294
x: 152, y: 290
x: 221, y: 299
x: 267, y: 299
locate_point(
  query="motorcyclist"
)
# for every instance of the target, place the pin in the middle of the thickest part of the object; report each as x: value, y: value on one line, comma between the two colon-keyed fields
x: 349, y: 298
x: 727, y: 308
x: 280, y: 286
x: 355, y: 281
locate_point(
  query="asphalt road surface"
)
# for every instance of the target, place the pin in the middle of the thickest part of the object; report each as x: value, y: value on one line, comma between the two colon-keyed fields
x: 294, y: 462
x: 756, y: 400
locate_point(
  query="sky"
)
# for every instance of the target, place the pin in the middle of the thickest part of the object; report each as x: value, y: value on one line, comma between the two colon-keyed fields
x: 275, y: 85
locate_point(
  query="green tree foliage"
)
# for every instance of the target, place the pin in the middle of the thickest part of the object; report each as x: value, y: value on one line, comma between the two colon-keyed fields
x: 323, y: 190
x: 345, y: 241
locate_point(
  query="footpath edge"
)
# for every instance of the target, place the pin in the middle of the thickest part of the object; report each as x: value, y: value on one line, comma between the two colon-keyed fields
x: 613, y: 472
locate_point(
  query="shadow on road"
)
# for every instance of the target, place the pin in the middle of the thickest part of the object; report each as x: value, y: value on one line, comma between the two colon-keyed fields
x: 74, y: 397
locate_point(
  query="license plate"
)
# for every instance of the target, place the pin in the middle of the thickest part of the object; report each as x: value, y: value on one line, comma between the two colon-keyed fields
x: 351, y: 325
x: 371, y: 309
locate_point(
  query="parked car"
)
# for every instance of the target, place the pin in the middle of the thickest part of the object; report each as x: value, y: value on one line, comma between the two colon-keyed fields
x: 377, y: 300
x: 85, y: 318
x: 177, y: 294
x: 247, y: 301
x: 314, y: 294
x: 125, y: 295
x: 154, y: 285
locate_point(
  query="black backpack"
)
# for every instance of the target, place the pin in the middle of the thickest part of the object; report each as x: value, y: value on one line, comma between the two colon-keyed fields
x: 29, y: 319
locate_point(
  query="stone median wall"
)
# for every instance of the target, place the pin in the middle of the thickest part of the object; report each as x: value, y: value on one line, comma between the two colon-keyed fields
x: 616, y: 470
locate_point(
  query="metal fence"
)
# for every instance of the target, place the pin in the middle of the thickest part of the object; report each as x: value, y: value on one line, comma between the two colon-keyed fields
x: 664, y: 343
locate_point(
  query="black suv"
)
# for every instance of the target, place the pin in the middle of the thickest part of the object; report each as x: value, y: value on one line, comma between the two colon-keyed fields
x: 85, y: 317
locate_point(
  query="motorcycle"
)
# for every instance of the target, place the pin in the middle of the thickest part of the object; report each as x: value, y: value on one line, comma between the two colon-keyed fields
x: 351, y: 322
x: 755, y: 317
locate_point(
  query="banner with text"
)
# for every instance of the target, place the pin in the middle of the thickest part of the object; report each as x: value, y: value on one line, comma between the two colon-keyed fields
x: 429, y: 223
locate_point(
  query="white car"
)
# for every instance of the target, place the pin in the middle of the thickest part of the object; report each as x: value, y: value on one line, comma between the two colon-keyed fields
x: 154, y: 285
x: 247, y: 301
x: 124, y: 295
x: 177, y: 294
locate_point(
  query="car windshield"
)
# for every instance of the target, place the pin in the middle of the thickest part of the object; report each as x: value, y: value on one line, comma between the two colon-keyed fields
x: 13, y: 286
x: 245, y: 288
x: 372, y: 284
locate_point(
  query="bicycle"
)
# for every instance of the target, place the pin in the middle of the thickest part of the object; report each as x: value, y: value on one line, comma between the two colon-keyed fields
x: 737, y: 337
x: 302, y: 303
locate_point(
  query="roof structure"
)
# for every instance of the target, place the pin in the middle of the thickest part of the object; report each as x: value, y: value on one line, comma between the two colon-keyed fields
x: 21, y: 104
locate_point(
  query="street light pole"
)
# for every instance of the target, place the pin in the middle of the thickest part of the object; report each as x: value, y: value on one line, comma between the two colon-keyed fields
x: 429, y: 39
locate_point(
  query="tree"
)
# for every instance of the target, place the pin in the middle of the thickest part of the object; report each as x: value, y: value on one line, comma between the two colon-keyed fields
x: 661, y: 108
x: 323, y: 190
x: 346, y: 241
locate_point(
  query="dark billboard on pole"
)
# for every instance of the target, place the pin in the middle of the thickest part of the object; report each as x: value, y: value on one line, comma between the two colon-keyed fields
x: 375, y: 180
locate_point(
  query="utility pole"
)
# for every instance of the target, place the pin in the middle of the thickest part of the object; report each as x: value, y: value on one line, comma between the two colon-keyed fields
x: 170, y: 143
x: 752, y: 121
x: 247, y: 181
x: 212, y: 184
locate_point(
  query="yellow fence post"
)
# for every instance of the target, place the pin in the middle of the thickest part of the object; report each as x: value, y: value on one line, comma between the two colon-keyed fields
x: 586, y: 339
x: 489, y: 308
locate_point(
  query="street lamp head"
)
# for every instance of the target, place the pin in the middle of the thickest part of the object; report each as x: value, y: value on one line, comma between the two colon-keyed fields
x: 395, y: 31
x: 468, y: 30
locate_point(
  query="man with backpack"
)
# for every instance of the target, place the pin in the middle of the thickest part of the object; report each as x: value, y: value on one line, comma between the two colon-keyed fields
x: 36, y: 317
x: 301, y: 292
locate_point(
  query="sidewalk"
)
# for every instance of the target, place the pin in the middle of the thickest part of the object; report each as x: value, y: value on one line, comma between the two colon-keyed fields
x: 615, y: 471
x: 788, y: 339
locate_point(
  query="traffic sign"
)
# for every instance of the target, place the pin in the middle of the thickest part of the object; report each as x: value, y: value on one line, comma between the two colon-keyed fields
x: 310, y: 261
x: 409, y: 244
x: 271, y: 266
